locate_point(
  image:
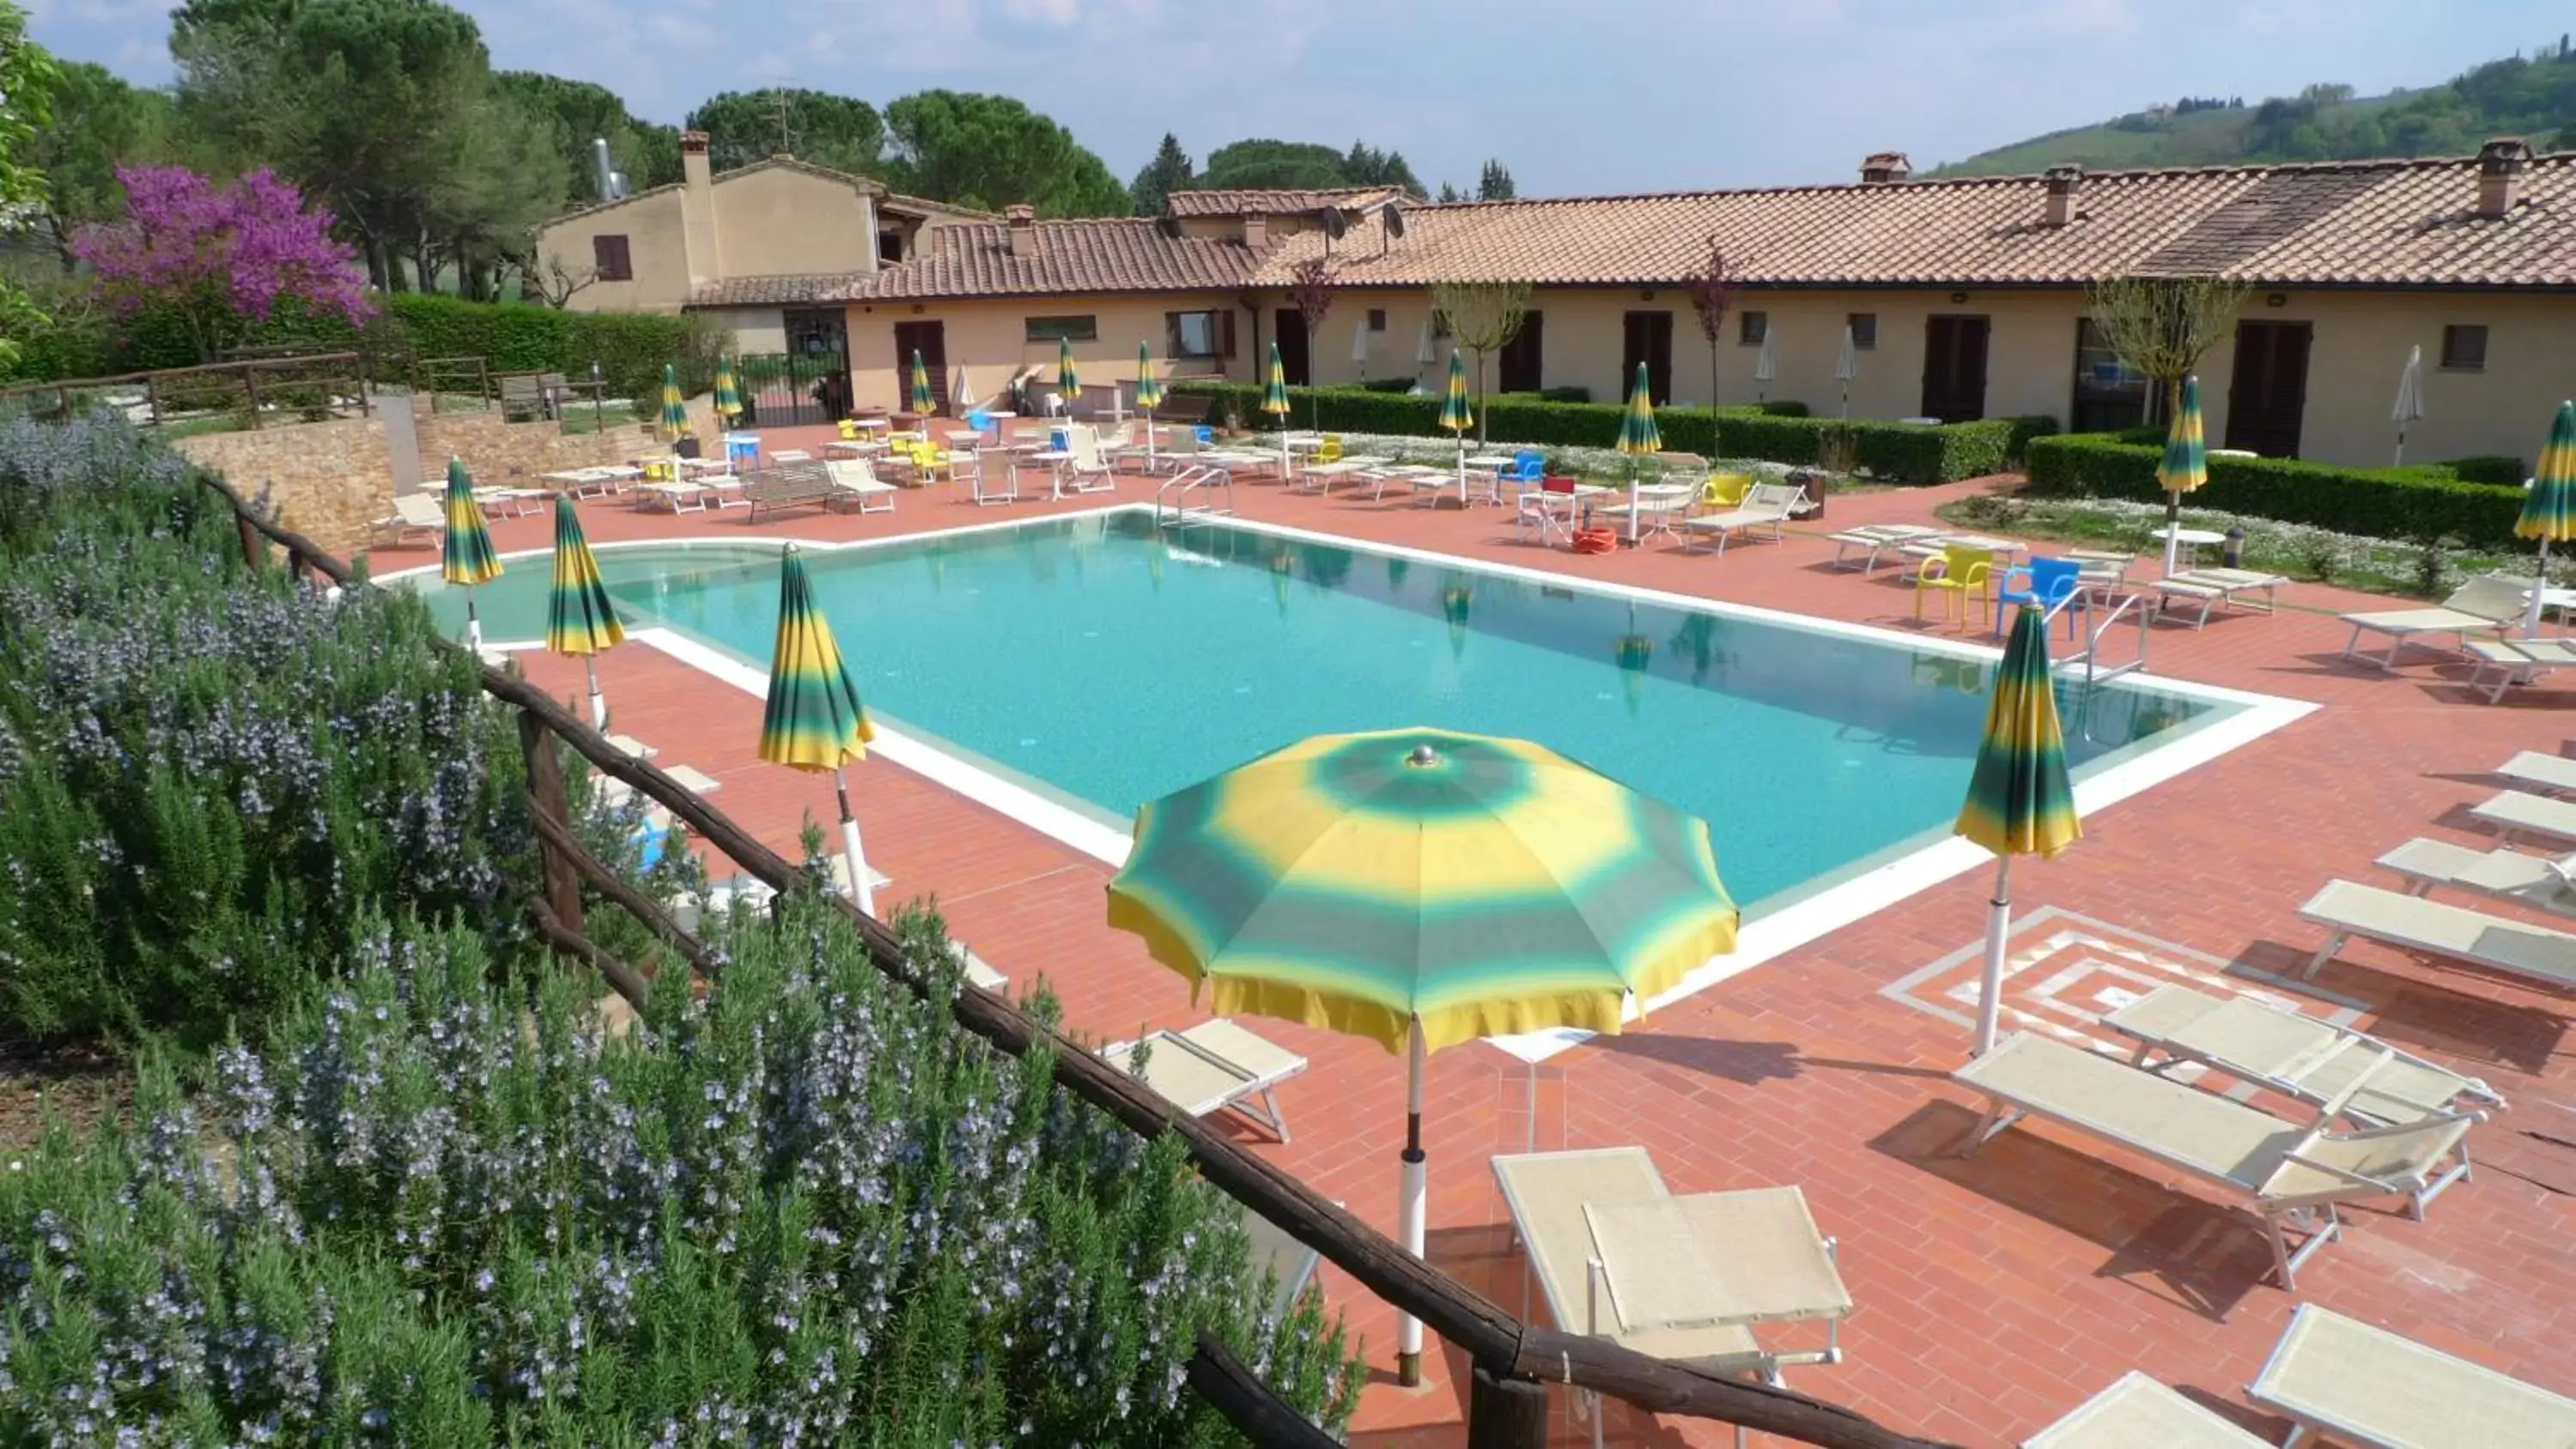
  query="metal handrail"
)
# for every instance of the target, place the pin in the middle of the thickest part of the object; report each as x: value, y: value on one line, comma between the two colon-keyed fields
x: 1190, y: 480
x: 2091, y: 655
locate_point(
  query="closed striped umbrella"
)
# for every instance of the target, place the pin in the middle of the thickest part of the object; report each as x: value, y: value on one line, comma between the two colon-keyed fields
x: 1420, y: 887
x: 1638, y: 436
x: 2409, y: 407
x: 728, y: 392
x: 1149, y: 396
x: 675, y: 409
x: 1634, y: 653
x: 1457, y: 602
x: 1846, y: 365
x: 2185, y: 465
x: 465, y: 556
x: 922, y: 402
x: 2019, y: 799
x: 2549, y: 509
x: 1274, y: 401
x: 1456, y: 415
x: 579, y: 618
x: 814, y: 720
x: 1067, y: 380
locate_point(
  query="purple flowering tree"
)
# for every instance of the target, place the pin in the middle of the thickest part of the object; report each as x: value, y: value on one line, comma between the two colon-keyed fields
x: 220, y: 258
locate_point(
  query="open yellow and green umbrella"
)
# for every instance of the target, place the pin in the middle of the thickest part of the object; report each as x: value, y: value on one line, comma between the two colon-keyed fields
x: 814, y: 720
x: 675, y: 409
x: 1149, y: 396
x: 1638, y: 437
x: 1457, y: 416
x: 923, y: 404
x: 2185, y: 465
x: 2019, y: 799
x: 579, y: 618
x: 728, y: 392
x: 1420, y: 887
x: 465, y: 556
x: 1274, y: 401
x: 2549, y: 509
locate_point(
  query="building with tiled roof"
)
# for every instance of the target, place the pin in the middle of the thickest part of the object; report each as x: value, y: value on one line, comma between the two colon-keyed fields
x: 1258, y: 202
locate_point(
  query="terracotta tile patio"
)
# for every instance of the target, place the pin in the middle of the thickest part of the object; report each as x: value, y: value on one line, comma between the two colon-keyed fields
x: 1994, y: 1292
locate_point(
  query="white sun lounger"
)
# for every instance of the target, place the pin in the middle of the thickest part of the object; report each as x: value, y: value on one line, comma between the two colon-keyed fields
x: 1873, y: 539
x: 2485, y: 604
x: 2212, y: 587
x: 1289, y: 1264
x: 1215, y: 1065
x: 2533, y: 880
x: 2555, y: 774
x: 414, y: 514
x: 2515, y: 661
x: 2290, y: 1177
x: 2517, y: 813
x: 2294, y: 1054
x: 2357, y: 1385
x: 856, y: 479
x: 2346, y: 910
x: 2136, y: 1412
x: 1768, y: 505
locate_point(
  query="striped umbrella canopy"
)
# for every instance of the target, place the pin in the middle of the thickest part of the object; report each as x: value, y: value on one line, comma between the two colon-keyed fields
x: 1149, y: 387
x: 2019, y: 799
x: 2549, y: 509
x: 728, y: 392
x: 922, y: 401
x: 579, y: 618
x: 1420, y: 887
x: 675, y: 409
x: 1274, y: 401
x: 2185, y: 465
x: 465, y: 556
x: 814, y: 720
x: 1067, y: 380
x: 1457, y: 416
x: 1638, y: 437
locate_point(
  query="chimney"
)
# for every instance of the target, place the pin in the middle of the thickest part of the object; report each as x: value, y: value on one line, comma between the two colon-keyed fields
x: 1880, y: 167
x: 698, y: 209
x: 2062, y: 183
x: 602, y: 172
x: 693, y: 162
x: 1023, y: 223
x: 2501, y: 164
x: 1256, y: 230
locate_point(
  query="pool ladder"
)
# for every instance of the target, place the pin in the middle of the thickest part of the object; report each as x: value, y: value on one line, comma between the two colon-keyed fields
x: 2132, y: 606
x: 1172, y: 501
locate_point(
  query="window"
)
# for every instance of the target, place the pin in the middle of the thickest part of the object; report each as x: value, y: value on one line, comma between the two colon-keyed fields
x: 1752, y: 327
x: 2108, y: 396
x: 1864, y: 329
x: 1199, y: 334
x: 609, y: 258
x: 1064, y: 329
x: 2464, y: 349
x: 1377, y: 319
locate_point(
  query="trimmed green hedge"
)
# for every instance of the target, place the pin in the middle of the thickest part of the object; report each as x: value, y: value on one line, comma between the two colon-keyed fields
x: 1778, y: 432
x: 2426, y: 502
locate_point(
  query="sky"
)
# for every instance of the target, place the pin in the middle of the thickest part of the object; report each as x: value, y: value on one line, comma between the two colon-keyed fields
x: 1573, y: 97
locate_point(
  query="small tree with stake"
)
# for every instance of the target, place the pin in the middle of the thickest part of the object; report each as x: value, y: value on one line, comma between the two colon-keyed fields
x: 1312, y: 287
x: 1483, y: 317
x: 2160, y: 328
x: 1712, y: 292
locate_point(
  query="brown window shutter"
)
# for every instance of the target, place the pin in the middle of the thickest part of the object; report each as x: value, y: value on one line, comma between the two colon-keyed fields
x: 1225, y: 331
x: 1171, y: 335
x: 610, y: 259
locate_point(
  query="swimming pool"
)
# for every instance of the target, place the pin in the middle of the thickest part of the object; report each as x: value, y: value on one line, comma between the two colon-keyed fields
x: 1099, y: 662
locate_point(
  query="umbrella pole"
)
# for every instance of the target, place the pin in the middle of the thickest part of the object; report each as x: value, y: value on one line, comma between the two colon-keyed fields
x: 474, y: 622
x: 1409, y: 1207
x: 861, y: 889
x: 598, y: 706
x: 1632, y: 508
x: 1990, y: 986
x: 2539, y: 588
x: 2400, y: 460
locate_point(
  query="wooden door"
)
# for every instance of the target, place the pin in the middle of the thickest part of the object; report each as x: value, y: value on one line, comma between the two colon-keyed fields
x: 1292, y: 347
x: 2268, y: 401
x: 1517, y: 365
x: 1954, y: 368
x: 1647, y: 338
x: 930, y: 339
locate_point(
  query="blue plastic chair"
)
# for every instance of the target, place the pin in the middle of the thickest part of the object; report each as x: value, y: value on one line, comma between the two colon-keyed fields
x: 2043, y: 583
x: 980, y: 420
x: 1528, y: 470
x: 1205, y: 434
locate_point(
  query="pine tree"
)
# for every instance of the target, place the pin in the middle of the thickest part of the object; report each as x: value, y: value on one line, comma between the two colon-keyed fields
x: 1495, y: 184
x: 1449, y: 192
x: 1169, y: 171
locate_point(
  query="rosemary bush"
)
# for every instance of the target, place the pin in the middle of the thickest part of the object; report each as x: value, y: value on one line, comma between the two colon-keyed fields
x: 804, y: 1209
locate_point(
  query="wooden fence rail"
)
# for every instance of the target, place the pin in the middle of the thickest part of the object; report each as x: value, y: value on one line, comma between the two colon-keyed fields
x: 1511, y: 1359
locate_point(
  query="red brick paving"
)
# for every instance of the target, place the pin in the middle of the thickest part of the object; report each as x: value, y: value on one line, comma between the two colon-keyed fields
x: 1994, y: 1292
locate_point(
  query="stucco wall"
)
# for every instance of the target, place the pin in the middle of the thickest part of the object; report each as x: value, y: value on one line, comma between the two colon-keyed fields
x: 989, y: 340
x: 779, y: 222
x: 652, y: 226
x: 756, y: 330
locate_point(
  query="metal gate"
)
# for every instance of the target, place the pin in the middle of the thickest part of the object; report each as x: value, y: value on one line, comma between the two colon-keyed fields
x: 793, y: 389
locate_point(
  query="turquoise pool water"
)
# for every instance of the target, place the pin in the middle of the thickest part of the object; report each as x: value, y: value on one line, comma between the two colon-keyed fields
x: 1110, y: 664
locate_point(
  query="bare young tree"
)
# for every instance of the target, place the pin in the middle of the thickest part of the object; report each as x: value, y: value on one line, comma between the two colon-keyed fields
x: 555, y: 284
x: 1312, y: 288
x: 1712, y: 292
x: 1483, y: 317
x: 2161, y: 327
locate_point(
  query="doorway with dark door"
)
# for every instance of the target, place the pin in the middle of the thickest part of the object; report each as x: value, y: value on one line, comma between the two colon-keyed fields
x: 2268, y: 401
x: 928, y: 340
x: 806, y: 384
x: 1516, y: 367
x: 1292, y: 347
x: 1954, y: 368
x: 1648, y: 338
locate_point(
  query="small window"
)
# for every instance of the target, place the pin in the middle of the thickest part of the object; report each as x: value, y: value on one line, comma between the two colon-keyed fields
x: 2464, y: 349
x: 610, y: 258
x: 1752, y: 327
x: 1199, y: 335
x: 1064, y: 329
x: 1864, y: 329
x: 1377, y: 319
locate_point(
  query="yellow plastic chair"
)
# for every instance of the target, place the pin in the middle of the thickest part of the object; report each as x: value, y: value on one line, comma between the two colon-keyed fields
x: 849, y: 430
x: 928, y: 462
x: 1959, y: 574
x: 661, y: 470
x: 1329, y: 449
x: 1725, y: 490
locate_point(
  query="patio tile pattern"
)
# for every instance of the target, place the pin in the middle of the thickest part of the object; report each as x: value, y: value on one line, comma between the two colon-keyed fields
x: 1994, y: 1292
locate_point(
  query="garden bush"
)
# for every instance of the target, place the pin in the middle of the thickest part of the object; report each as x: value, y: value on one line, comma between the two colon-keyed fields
x: 2427, y: 502
x: 807, y: 1209
x: 2492, y: 468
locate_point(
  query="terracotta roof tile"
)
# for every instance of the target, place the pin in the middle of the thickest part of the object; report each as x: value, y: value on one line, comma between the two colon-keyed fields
x: 1274, y: 203
x: 1120, y: 254
x: 793, y: 290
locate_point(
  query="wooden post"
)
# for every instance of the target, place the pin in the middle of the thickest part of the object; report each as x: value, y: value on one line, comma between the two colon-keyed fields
x: 152, y: 399
x: 250, y: 381
x: 1506, y: 1413
x: 254, y: 547
x: 546, y: 799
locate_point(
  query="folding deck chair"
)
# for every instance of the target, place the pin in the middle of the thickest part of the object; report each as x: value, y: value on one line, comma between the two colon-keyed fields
x: 2212, y: 587
x: 2367, y: 1388
x: 2294, y: 1054
x: 1215, y: 1065
x: 2347, y: 909
x: 2539, y: 881
x: 2488, y: 604
x: 2287, y: 1178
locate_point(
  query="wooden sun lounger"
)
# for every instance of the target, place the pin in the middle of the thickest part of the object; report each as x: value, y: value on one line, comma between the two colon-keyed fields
x: 2346, y: 910
x: 2294, y: 1054
x: 2288, y: 1178
x: 1213, y: 1066
x: 2212, y: 587
x: 2136, y: 1412
x: 2486, y: 604
x: 2368, y: 1388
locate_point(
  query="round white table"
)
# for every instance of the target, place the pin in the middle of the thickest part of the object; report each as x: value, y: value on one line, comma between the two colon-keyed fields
x: 2194, y: 539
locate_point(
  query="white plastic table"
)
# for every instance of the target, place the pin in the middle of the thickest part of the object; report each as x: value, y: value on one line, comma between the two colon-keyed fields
x: 2194, y: 539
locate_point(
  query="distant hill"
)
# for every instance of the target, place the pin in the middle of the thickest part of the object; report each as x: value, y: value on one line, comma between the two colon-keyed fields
x: 2532, y: 96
